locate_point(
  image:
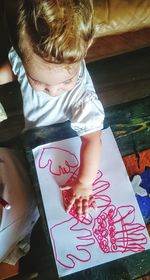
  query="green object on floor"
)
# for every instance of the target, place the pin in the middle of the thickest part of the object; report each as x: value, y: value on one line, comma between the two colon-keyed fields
x: 130, y: 123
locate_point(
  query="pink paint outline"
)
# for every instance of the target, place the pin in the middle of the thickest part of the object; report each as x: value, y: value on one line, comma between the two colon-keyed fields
x: 104, y: 226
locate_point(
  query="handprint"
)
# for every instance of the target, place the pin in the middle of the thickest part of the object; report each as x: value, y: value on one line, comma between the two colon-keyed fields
x: 99, y: 186
x: 77, y: 250
x: 60, y: 162
x: 115, y: 230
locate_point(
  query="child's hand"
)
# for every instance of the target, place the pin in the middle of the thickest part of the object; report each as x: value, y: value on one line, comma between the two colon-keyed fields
x: 82, y: 197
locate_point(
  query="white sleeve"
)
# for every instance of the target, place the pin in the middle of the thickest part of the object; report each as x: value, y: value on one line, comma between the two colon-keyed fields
x: 16, y: 64
x: 88, y: 116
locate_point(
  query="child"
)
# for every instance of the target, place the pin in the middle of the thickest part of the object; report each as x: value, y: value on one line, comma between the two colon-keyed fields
x: 47, y: 58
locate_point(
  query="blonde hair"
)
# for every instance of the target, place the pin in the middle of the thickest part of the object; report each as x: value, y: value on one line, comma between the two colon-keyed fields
x: 59, y: 31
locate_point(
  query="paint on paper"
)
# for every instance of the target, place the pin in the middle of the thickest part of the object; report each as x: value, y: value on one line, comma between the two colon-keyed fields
x: 115, y: 230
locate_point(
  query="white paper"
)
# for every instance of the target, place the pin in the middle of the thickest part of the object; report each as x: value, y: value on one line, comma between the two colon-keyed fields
x: 114, y: 231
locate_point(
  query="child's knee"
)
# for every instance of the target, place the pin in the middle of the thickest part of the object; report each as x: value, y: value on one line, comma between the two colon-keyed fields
x: 15, y: 182
x: 16, y: 189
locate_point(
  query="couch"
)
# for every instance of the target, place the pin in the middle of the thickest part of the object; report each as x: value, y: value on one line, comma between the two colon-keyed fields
x: 121, y: 26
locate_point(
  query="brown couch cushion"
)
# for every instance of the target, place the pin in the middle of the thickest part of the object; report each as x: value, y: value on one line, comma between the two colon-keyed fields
x: 117, y: 16
x: 111, y: 17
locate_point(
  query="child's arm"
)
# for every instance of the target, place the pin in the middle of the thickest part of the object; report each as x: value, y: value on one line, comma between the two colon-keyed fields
x: 6, y: 73
x: 89, y: 163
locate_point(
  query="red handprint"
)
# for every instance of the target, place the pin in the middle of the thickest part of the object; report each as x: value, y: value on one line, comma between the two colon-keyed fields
x: 99, y: 186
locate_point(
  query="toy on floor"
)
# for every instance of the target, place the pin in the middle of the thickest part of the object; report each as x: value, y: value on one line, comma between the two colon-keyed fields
x: 141, y: 186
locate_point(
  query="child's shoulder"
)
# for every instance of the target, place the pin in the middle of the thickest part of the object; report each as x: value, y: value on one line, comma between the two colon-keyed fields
x: 6, y: 73
x: 13, y: 57
x: 16, y: 63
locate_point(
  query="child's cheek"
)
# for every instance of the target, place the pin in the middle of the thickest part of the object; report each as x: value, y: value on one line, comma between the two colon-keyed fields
x: 36, y: 86
x: 69, y: 86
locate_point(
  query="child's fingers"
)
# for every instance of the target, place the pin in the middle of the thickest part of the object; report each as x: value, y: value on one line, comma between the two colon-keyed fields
x: 79, y: 210
x: 81, y: 204
x: 72, y: 201
x: 78, y: 204
x: 85, y: 207
x: 65, y: 188
x: 91, y: 199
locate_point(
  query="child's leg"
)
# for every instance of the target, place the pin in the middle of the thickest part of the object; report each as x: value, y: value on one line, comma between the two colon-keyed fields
x: 16, y: 189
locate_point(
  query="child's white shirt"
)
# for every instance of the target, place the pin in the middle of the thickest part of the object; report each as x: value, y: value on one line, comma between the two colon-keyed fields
x: 80, y: 105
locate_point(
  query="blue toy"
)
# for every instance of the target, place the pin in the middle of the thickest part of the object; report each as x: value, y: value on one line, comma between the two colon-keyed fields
x: 141, y: 186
